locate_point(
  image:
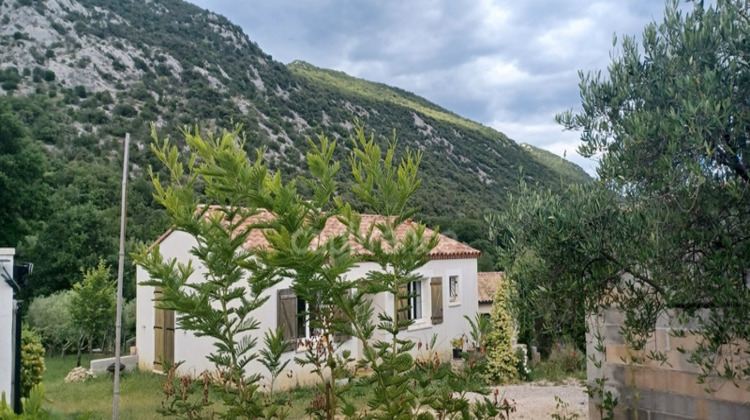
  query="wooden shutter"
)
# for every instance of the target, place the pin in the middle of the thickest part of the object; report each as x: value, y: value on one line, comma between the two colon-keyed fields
x: 402, y: 303
x: 286, y: 318
x: 436, y: 296
x: 163, y: 334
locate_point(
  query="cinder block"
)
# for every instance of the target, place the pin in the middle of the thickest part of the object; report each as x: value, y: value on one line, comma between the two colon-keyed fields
x: 687, y: 343
x: 685, y: 384
x: 616, y: 354
x: 100, y: 365
x: 728, y: 410
x: 667, y: 403
x: 668, y: 416
x: 731, y: 393
x: 654, y: 379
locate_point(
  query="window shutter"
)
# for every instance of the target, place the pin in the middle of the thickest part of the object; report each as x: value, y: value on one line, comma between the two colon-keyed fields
x: 436, y: 289
x: 287, y: 317
x: 402, y: 303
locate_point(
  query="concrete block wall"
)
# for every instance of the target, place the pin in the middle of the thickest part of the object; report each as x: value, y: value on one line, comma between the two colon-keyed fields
x: 655, y: 390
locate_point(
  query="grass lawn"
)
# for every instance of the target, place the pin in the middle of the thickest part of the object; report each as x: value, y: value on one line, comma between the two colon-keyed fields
x: 140, y: 392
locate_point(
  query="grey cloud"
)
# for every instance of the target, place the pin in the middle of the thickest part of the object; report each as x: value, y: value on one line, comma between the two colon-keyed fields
x: 502, y: 61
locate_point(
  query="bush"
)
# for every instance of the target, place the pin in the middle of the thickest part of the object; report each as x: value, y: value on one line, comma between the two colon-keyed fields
x: 501, y: 366
x: 32, y: 360
x: 567, y: 357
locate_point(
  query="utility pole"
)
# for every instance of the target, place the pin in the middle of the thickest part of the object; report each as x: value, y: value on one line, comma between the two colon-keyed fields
x: 120, y: 269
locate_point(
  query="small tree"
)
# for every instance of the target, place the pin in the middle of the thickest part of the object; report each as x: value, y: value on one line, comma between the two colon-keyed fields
x: 50, y: 316
x: 501, y: 358
x: 220, y: 306
x: 92, y: 305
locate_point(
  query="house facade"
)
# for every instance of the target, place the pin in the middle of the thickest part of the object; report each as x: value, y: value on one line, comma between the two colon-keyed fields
x: 6, y: 322
x: 446, y: 291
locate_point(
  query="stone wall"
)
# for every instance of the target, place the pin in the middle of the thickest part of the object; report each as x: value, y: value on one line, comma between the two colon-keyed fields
x: 660, y: 390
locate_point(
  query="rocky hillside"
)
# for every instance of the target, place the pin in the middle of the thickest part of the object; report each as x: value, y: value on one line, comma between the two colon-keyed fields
x: 79, y: 74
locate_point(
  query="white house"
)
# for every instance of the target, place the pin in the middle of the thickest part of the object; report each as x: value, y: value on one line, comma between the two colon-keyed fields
x: 6, y: 322
x: 446, y: 292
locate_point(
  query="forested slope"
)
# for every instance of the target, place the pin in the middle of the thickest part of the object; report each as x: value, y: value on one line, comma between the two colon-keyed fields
x: 76, y: 75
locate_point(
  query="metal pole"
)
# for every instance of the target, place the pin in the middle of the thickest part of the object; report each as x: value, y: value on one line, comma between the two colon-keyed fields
x: 120, y: 269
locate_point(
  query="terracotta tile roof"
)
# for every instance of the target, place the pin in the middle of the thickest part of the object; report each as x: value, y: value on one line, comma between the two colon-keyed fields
x: 447, y: 248
x: 487, y: 283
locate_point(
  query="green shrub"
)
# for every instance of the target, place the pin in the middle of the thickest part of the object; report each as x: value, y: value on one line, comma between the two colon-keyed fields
x: 501, y: 366
x: 567, y: 357
x: 32, y: 360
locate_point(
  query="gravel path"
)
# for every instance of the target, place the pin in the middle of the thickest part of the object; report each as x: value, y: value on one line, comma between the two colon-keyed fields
x: 536, y: 400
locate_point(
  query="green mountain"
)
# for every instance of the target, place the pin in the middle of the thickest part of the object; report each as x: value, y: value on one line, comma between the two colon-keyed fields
x: 79, y: 74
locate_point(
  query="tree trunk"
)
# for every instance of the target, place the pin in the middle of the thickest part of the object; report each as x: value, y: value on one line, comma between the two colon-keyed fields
x: 79, y: 345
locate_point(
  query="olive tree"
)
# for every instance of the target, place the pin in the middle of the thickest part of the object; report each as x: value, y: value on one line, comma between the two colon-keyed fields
x: 664, y: 230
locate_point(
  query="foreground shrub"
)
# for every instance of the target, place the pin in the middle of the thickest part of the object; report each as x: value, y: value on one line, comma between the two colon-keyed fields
x: 32, y: 360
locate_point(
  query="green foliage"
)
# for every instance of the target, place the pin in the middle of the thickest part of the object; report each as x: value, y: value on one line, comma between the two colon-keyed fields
x: 481, y: 326
x: 386, y: 188
x: 567, y: 357
x: 562, y: 410
x: 31, y: 407
x: 32, y: 360
x: 543, y: 223
x: 270, y: 355
x: 664, y: 231
x: 23, y: 194
x: 318, y: 265
x: 92, y: 303
x: 501, y: 364
x: 50, y: 316
x: 220, y: 306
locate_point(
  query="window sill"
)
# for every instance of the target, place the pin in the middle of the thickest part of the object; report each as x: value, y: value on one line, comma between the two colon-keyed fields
x: 420, y: 325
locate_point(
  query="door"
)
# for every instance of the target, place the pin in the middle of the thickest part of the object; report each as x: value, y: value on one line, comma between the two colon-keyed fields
x: 163, y: 335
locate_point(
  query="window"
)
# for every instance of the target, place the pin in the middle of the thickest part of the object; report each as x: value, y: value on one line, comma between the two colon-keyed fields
x: 294, y: 320
x: 415, y: 300
x: 453, y: 288
x: 419, y: 296
x: 291, y: 317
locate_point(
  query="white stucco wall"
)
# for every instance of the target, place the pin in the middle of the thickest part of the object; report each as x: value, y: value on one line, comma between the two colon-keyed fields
x: 6, y: 322
x: 193, y: 350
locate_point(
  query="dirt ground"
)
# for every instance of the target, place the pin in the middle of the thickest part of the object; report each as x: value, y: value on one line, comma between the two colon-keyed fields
x: 536, y: 400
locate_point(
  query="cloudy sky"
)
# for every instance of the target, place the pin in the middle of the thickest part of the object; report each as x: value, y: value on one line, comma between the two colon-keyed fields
x: 508, y: 64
